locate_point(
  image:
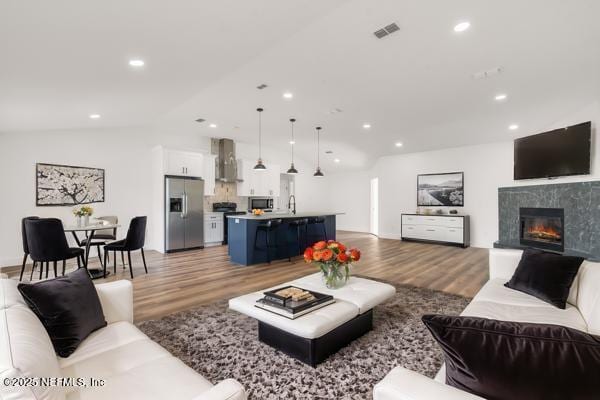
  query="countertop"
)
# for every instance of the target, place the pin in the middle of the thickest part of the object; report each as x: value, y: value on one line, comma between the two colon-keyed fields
x: 275, y: 215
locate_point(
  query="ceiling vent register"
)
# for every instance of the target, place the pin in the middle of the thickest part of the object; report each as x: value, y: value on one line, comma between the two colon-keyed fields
x: 383, y: 32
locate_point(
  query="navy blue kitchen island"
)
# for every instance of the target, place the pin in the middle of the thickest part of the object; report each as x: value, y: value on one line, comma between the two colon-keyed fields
x: 242, y: 234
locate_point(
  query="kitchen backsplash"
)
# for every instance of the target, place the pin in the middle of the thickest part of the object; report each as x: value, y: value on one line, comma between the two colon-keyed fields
x: 225, y: 192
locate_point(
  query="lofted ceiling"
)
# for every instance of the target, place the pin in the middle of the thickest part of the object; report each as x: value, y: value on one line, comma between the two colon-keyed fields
x: 64, y: 60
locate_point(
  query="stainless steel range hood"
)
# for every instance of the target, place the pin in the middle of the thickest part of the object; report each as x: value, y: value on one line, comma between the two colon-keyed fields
x: 226, y: 164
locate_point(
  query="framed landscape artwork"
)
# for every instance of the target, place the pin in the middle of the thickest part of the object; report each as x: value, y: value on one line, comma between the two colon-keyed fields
x: 440, y: 190
x: 64, y: 185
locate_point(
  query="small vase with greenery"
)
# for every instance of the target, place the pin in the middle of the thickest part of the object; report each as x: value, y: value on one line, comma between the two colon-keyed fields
x: 83, y: 215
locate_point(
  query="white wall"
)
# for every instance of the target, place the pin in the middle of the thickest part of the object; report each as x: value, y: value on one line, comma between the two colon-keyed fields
x: 126, y: 156
x: 486, y: 168
x: 347, y: 193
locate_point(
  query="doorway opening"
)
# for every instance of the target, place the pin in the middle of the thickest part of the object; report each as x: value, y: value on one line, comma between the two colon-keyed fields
x: 374, y: 214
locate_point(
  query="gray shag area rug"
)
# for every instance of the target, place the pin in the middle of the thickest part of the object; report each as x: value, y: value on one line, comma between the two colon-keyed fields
x: 219, y: 344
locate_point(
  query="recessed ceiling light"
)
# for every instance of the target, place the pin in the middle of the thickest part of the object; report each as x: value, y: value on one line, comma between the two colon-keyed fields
x: 288, y: 95
x: 500, y: 97
x: 94, y: 116
x: 367, y: 126
x: 213, y: 125
x: 337, y: 160
x: 292, y: 142
x: 513, y: 127
x: 462, y: 26
x: 136, y: 63
x: 398, y: 144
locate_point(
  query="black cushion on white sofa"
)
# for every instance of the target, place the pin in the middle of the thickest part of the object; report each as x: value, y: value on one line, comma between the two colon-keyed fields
x: 68, y: 307
x: 547, y: 276
x: 501, y: 360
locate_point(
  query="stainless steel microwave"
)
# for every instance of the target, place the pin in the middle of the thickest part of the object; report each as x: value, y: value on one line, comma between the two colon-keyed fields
x: 260, y: 203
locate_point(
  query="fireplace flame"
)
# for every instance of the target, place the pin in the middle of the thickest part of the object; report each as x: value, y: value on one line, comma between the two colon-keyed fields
x: 543, y: 232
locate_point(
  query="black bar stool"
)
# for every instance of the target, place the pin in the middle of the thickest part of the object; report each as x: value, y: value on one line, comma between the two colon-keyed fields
x: 318, y: 221
x: 299, y: 225
x: 267, y: 227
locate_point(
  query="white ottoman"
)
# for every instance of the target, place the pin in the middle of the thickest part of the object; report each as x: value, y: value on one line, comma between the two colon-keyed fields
x: 313, y: 337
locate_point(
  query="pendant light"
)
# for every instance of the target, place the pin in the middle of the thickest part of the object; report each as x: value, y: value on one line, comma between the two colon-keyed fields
x: 318, y: 173
x: 292, y: 169
x: 259, y: 164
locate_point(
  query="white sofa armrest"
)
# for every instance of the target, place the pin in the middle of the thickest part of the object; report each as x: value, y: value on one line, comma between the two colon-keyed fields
x: 229, y: 389
x: 117, y: 300
x: 403, y: 384
x: 503, y: 263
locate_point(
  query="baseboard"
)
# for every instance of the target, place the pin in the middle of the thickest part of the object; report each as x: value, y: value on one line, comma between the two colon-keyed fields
x: 8, y: 263
x: 387, y: 235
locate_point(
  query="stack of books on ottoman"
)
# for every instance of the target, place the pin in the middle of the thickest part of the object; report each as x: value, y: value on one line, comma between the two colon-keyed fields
x: 292, y: 302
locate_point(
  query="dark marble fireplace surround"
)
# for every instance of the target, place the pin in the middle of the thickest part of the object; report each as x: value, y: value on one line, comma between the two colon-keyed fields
x: 581, y: 204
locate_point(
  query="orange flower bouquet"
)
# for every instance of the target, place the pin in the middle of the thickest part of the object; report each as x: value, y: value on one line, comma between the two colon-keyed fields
x: 334, y: 259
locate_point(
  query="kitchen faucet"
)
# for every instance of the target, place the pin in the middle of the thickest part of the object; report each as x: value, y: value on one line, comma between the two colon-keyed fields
x: 290, y: 203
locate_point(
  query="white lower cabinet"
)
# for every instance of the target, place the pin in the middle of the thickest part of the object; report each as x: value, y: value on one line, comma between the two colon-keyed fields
x: 452, y: 229
x: 213, y: 228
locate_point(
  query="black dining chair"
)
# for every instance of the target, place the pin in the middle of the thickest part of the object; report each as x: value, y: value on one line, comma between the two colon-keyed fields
x: 47, y: 243
x: 135, y: 239
x: 25, y: 246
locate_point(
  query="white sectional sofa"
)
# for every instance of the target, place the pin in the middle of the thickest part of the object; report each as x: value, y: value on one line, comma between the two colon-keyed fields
x: 132, y: 365
x: 495, y: 301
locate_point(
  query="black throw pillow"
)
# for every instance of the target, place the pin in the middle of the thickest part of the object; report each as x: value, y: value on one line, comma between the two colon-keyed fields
x: 501, y: 360
x: 546, y: 276
x: 68, y: 307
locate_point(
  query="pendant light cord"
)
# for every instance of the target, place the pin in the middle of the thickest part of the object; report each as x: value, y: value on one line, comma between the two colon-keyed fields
x: 293, y: 141
x: 318, y: 147
x: 259, y: 133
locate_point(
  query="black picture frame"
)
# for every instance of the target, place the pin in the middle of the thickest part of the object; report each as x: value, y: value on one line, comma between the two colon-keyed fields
x: 441, y: 199
x: 39, y: 200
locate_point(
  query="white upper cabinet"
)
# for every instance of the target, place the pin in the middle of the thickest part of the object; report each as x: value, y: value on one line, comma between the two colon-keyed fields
x: 187, y: 163
x: 245, y: 188
x: 209, y: 175
x: 274, y: 181
x: 184, y: 163
x: 257, y: 183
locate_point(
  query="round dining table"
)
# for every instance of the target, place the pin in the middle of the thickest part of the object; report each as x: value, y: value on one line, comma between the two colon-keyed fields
x: 90, y: 231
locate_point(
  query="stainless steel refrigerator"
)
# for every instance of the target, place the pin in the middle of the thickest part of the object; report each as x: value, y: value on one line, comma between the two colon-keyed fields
x: 184, y: 213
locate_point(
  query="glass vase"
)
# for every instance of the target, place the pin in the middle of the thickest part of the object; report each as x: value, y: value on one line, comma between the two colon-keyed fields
x: 335, y: 276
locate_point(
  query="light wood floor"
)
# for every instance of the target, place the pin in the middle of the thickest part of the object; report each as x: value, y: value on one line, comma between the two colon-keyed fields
x: 181, y: 281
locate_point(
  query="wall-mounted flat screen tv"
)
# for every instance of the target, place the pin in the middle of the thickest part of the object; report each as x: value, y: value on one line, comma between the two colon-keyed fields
x: 561, y: 152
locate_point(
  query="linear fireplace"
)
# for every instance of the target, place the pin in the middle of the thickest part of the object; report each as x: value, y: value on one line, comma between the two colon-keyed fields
x: 542, y: 228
